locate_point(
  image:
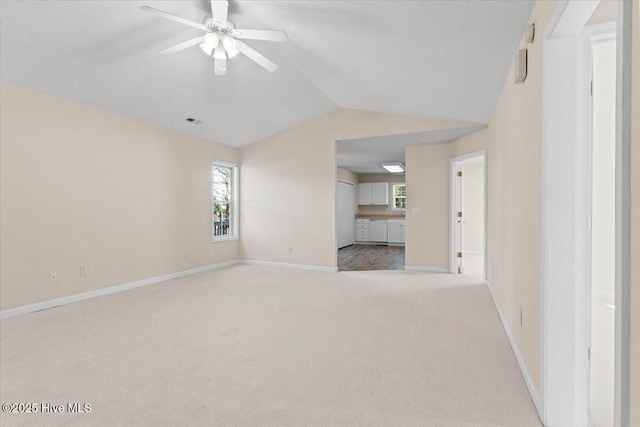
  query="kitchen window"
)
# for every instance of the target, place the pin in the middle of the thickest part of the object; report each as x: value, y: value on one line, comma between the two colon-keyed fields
x: 224, y: 201
x: 399, y: 197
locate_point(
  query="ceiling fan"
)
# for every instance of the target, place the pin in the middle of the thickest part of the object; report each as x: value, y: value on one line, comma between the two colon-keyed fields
x: 221, y: 39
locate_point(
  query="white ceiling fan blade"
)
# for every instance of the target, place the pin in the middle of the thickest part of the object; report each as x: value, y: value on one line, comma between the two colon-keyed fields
x: 173, y: 17
x: 182, y: 46
x: 271, y: 35
x: 256, y: 57
x: 219, y: 9
x: 220, y: 57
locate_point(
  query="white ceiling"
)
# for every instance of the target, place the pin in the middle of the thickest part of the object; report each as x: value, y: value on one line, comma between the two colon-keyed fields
x: 364, y: 155
x: 437, y: 59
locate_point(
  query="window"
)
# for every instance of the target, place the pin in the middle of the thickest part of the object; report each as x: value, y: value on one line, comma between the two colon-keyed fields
x: 399, y: 197
x: 224, y: 201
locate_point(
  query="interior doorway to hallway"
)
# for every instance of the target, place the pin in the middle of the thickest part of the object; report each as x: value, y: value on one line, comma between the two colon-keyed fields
x: 468, y: 215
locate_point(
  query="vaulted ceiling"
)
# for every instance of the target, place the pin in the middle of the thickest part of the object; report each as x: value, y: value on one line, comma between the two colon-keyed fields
x: 437, y: 59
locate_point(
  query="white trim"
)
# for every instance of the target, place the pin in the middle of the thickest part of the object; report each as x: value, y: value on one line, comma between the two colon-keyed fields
x: 481, y: 154
x: 25, y: 309
x: 564, y: 225
x: 535, y: 397
x: 287, y: 265
x: 224, y: 239
x: 393, y: 199
x: 622, y: 385
x: 603, y: 294
x: 428, y: 269
x: 234, y: 205
x: 347, y: 182
x: 590, y: 36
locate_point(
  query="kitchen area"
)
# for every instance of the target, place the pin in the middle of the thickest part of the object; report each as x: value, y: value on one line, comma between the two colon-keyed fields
x: 373, y: 205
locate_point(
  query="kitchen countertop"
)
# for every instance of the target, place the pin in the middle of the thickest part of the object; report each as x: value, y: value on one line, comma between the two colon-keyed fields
x: 379, y: 216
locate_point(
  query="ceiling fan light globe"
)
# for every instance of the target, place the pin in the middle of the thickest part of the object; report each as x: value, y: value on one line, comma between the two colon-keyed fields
x: 211, y: 40
x: 230, y: 46
x: 208, y: 50
x: 231, y: 53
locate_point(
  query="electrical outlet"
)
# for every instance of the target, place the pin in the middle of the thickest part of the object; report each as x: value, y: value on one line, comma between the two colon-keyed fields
x: 494, y: 271
x: 53, y: 276
x: 84, y: 272
x: 187, y: 254
x: 289, y: 250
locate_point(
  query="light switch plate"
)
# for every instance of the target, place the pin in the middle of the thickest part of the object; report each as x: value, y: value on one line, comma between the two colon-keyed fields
x: 416, y: 211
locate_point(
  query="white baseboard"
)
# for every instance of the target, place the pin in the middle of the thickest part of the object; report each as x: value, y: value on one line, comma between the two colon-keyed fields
x: 523, y: 368
x: 380, y: 244
x: 107, y: 291
x: 429, y: 269
x: 286, y: 265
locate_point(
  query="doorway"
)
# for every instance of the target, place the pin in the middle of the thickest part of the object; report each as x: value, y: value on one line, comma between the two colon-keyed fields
x: 566, y: 217
x: 468, y: 215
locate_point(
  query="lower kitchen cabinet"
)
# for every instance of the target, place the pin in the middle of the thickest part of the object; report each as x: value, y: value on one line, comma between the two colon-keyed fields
x: 362, y: 230
x: 396, y: 231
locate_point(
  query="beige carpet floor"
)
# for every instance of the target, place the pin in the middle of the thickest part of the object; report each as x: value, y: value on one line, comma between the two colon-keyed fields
x: 259, y: 346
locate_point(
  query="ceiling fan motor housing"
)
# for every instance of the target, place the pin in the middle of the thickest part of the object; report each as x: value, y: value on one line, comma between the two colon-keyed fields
x: 213, y: 26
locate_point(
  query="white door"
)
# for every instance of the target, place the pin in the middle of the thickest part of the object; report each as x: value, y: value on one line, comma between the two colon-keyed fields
x: 346, y: 214
x: 457, y: 212
x: 469, y: 215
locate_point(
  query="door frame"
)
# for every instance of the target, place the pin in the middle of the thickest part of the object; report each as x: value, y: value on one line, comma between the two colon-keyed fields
x: 565, y: 266
x: 344, y: 181
x: 453, y: 192
x: 590, y: 36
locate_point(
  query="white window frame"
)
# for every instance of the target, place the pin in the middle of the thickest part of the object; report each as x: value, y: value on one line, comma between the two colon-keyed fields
x: 234, y: 202
x: 393, y: 196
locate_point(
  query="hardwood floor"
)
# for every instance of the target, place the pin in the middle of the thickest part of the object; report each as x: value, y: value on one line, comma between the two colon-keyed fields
x: 370, y: 257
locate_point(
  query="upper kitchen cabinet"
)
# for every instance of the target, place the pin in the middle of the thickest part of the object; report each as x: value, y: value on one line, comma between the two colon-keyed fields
x: 365, y: 193
x: 373, y: 193
x: 380, y: 193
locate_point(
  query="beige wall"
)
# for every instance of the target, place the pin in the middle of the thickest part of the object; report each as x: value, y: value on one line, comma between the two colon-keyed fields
x: 427, y: 234
x: 605, y: 12
x: 288, y: 184
x: 635, y: 218
x: 390, y: 179
x: 85, y: 187
x: 513, y: 142
x: 345, y: 175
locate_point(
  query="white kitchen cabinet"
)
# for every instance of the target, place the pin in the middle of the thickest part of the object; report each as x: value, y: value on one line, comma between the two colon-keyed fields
x: 362, y: 230
x: 373, y: 193
x: 395, y: 231
x: 365, y: 193
x: 380, y: 192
